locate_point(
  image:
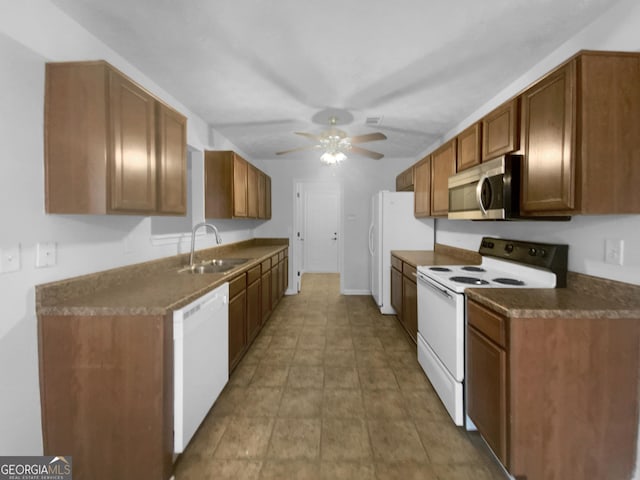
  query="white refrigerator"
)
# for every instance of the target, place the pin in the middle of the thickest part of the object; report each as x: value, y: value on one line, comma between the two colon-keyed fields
x: 393, y: 227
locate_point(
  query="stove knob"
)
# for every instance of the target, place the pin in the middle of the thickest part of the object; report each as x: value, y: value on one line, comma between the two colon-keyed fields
x: 542, y: 252
x: 490, y: 244
x: 508, y: 248
x: 532, y: 252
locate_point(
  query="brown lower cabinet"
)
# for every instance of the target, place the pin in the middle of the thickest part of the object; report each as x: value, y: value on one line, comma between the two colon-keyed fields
x: 404, y: 295
x: 555, y: 398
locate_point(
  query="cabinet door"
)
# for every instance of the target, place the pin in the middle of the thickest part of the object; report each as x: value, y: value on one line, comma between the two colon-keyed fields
x: 443, y: 165
x: 254, y: 307
x: 132, y: 153
x: 237, y: 328
x: 275, y: 275
x: 500, y: 131
x: 240, y: 168
x: 410, y: 307
x: 422, y: 187
x: 252, y: 191
x: 396, y: 292
x: 548, y: 171
x: 262, y: 195
x: 172, y: 161
x: 267, y: 195
x: 265, y: 298
x: 286, y: 274
x: 469, y: 151
x: 487, y: 390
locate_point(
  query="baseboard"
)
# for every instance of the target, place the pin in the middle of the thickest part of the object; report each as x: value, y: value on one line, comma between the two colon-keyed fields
x: 356, y: 292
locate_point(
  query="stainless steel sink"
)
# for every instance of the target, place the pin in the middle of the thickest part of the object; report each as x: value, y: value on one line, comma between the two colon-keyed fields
x: 216, y: 265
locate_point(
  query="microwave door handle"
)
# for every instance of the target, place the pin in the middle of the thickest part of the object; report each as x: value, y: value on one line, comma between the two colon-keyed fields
x: 479, y: 194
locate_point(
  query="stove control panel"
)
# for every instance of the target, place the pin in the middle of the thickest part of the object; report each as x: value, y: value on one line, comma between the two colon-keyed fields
x: 552, y: 257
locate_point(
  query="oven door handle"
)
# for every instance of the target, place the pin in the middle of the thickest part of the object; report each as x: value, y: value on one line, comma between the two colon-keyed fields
x: 442, y: 291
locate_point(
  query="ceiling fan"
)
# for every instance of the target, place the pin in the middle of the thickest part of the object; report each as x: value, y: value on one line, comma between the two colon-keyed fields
x: 336, y: 143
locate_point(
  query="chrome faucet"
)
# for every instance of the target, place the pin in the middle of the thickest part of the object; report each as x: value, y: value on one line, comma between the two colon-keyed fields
x: 193, y: 237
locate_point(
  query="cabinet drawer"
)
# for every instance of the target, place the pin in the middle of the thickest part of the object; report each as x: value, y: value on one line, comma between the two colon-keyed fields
x: 266, y: 265
x: 237, y: 285
x: 490, y: 324
x: 253, y: 274
x: 409, y: 271
x: 396, y: 263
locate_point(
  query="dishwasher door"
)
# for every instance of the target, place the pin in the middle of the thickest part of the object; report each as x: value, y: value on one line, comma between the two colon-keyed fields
x: 201, y: 360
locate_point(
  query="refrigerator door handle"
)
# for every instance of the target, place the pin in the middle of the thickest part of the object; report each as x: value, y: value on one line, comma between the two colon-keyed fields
x: 371, y: 240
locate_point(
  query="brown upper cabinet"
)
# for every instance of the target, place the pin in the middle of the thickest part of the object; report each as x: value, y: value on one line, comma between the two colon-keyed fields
x: 404, y: 181
x: 500, y: 130
x: 443, y: 165
x: 469, y: 147
x: 110, y: 146
x: 422, y: 187
x: 233, y: 187
x: 580, y: 137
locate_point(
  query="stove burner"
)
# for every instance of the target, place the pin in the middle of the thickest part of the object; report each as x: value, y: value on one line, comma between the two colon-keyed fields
x: 473, y: 269
x: 469, y: 280
x: 508, y: 281
x: 440, y: 269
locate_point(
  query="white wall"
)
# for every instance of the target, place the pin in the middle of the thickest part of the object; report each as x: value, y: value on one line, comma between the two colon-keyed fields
x: 31, y: 34
x: 360, y: 179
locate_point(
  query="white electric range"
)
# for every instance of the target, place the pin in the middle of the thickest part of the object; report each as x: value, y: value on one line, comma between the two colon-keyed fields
x: 442, y: 306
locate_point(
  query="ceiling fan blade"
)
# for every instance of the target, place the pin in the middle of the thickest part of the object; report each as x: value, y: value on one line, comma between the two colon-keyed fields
x: 299, y: 149
x: 317, y: 138
x: 369, y: 137
x: 366, y: 153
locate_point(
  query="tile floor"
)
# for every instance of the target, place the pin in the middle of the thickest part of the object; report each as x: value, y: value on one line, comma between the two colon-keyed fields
x: 331, y: 389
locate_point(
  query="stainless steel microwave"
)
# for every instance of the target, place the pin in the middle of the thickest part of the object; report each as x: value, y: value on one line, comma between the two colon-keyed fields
x: 489, y: 191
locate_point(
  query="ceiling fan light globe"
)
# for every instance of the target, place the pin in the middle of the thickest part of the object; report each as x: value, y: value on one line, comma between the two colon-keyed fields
x: 332, y: 158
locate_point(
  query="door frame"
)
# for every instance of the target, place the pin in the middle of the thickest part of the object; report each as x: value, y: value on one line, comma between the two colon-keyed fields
x: 299, y: 187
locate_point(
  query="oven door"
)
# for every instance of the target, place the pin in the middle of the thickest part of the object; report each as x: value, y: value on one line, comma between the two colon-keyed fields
x: 441, y: 323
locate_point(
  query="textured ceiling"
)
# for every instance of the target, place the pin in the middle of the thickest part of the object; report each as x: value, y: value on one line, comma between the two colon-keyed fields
x: 258, y: 70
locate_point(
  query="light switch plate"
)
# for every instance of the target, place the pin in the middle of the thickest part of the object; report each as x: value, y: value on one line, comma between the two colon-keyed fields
x: 613, y: 251
x: 10, y: 259
x: 46, y: 254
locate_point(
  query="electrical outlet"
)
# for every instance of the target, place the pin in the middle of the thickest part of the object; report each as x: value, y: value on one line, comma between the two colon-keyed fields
x: 10, y: 259
x: 613, y: 251
x: 46, y: 254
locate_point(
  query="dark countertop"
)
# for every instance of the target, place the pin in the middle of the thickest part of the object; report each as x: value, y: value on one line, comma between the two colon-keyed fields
x: 441, y: 255
x: 150, y: 288
x: 584, y: 297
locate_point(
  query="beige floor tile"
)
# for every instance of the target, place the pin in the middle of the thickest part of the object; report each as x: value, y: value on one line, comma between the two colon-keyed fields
x: 242, y: 375
x: 345, y: 439
x: 219, y: 469
x: 278, y: 356
x: 295, y: 438
x: 342, y: 404
x: 367, y: 343
x: 341, y: 377
x: 407, y: 470
x: 396, y: 441
x: 305, y: 376
x: 308, y: 357
x: 228, y: 401
x: 338, y: 342
x: 447, y: 444
x: 347, y: 471
x: 337, y: 332
x: 260, y: 402
x: 411, y: 379
x: 384, y: 404
x: 464, y: 472
x: 372, y: 359
x: 245, y: 438
x: 313, y: 331
x: 283, y: 341
x: 290, y: 470
x: 304, y: 402
x: 208, y: 436
x: 425, y: 406
x: 377, y: 378
x: 312, y: 342
x: 339, y: 357
x: 267, y: 375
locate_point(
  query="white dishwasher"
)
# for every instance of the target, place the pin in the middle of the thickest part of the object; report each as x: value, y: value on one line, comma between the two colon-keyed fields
x: 200, y: 362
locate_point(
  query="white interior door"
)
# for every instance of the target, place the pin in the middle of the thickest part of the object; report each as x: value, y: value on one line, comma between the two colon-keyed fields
x: 321, y: 230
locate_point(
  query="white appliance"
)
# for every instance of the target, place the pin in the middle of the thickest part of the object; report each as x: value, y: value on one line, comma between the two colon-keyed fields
x: 201, y: 360
x: 393, y: 227
x: 442, y: 306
